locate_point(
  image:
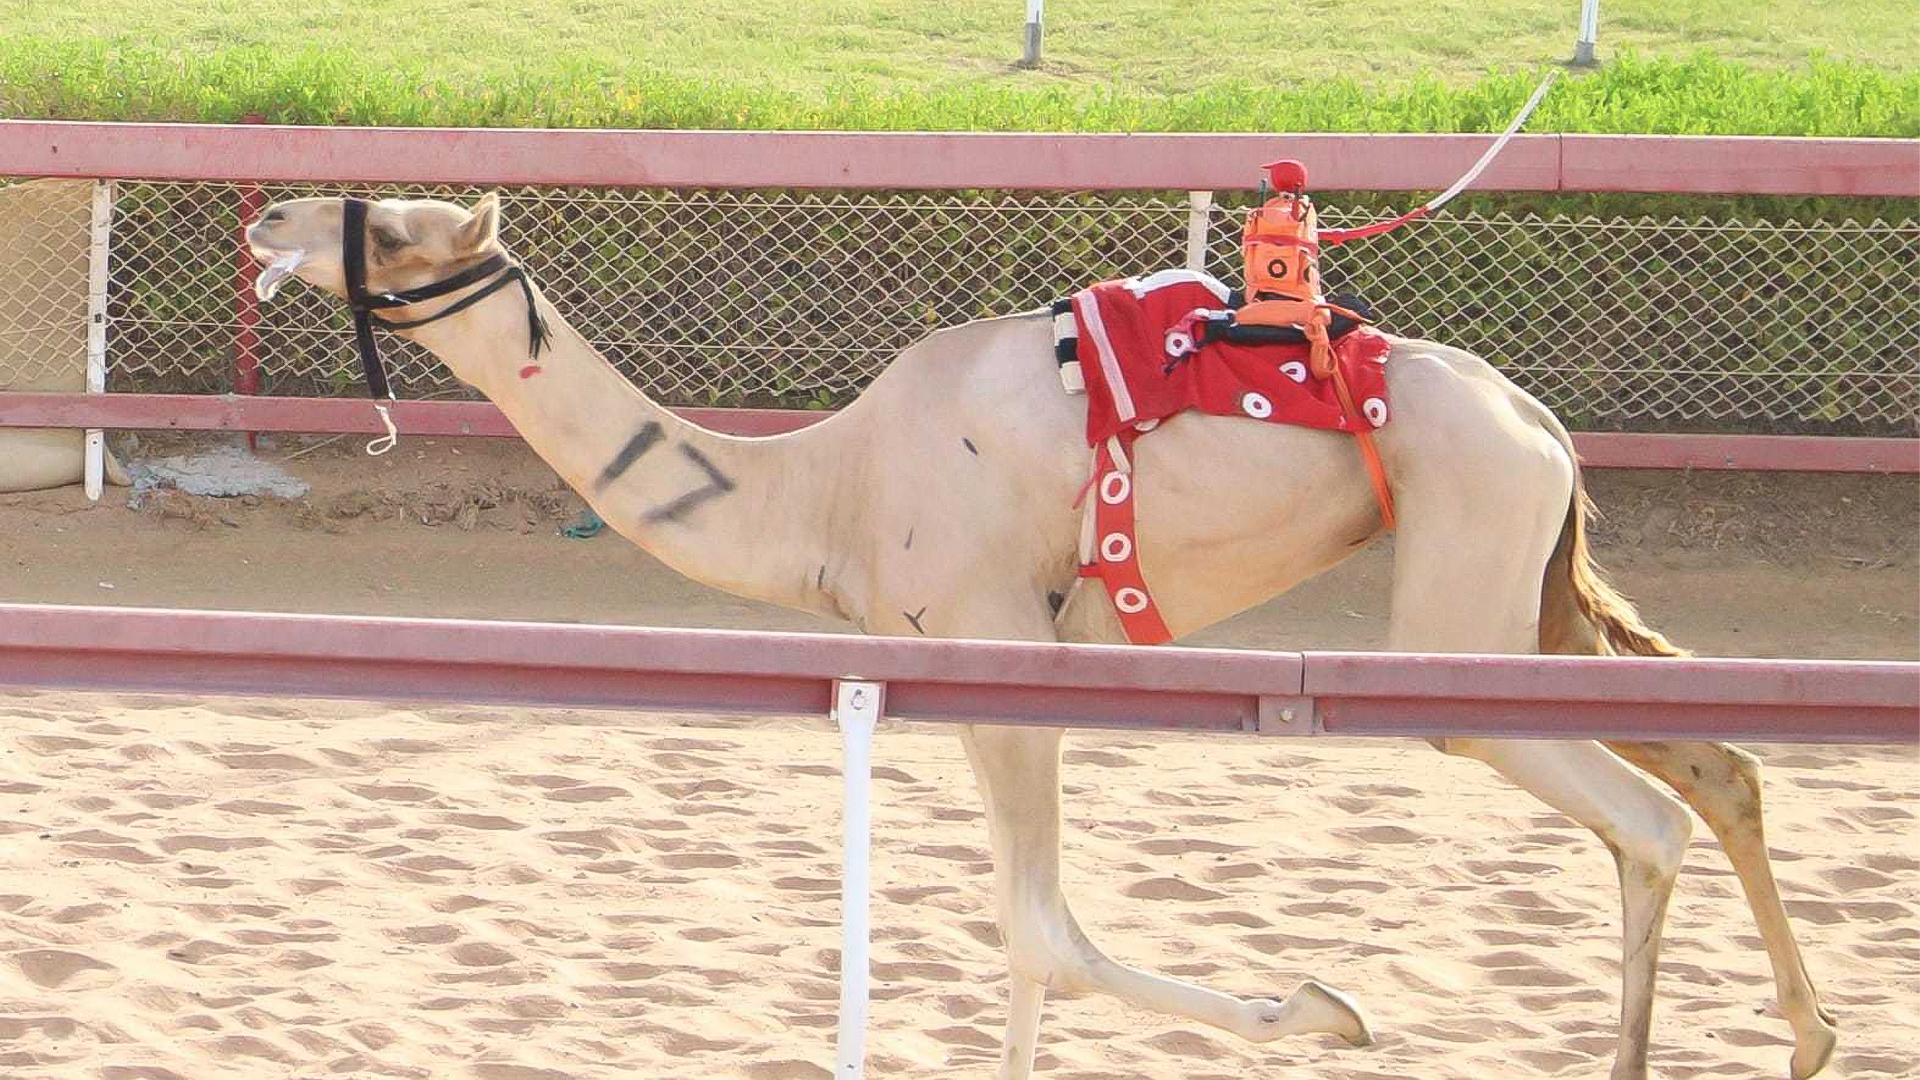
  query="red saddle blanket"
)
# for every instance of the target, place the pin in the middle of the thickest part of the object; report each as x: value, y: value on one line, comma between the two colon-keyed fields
x: 1142, y: 351
x: 1137, y: 354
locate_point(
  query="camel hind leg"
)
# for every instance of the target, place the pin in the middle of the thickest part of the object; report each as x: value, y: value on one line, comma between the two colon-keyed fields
x: 1722, y: 784
x: 1478, y: 522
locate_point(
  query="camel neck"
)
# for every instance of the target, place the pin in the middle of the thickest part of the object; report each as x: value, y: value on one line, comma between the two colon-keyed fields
x: 749, y: 516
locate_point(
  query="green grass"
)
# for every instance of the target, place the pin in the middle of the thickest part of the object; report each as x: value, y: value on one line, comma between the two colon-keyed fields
x: 1692, y: 66
x: 1137, y: 46
x: 1699, y: 95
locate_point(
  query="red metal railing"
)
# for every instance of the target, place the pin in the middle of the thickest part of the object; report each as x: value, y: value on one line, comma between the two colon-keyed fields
x: 917, y: 160
x: 1204, y: 690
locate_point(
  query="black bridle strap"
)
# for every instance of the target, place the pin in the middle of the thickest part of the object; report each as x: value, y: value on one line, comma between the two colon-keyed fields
x: 353, y: 261
x: 353, y: 254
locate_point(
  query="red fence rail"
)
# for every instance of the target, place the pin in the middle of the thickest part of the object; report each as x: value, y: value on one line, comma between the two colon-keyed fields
x: 202, y: 412
x: 921, y: 160
x: 1182, y: 689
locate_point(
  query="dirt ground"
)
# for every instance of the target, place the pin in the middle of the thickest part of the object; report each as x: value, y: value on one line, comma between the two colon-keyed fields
x: 1726, y: 564
x: 224, y: 889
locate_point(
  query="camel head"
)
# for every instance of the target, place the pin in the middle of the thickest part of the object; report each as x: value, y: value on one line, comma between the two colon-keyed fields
x: 409, y: 242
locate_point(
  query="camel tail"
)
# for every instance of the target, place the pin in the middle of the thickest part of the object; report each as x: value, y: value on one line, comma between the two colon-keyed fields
x: 1580, y: 613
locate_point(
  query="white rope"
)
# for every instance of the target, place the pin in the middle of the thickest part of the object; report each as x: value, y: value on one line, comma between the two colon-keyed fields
x: 1499, y: 144
x: 388, y: 441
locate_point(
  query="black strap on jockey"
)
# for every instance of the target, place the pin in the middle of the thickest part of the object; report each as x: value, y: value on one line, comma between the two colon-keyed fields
x: 353, y: 255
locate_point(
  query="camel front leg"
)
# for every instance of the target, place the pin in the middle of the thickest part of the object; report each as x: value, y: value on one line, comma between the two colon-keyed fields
x: 1018, y: 770
x: 1722, y: 784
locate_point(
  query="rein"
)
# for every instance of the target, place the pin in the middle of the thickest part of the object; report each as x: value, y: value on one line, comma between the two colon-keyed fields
x: 353, y: 258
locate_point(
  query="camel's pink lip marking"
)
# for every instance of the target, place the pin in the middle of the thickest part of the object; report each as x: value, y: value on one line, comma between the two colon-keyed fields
x: 530, y: 371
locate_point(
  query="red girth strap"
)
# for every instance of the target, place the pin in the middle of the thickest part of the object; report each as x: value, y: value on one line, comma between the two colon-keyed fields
x: 1116, y: 556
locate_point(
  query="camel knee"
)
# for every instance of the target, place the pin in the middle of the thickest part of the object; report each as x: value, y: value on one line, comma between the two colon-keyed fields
x: 1738, y: 796
x: 1657, y: 844
x: 1722, y: 783
x: 1050, y: 949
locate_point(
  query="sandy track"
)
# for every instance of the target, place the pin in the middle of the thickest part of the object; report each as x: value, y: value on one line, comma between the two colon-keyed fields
x: 202, y: 889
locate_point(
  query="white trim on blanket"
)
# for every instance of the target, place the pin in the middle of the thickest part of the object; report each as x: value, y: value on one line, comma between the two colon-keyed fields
x: 1087, y: 306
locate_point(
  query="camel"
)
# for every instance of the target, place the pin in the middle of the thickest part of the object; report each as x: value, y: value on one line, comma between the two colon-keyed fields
x: 941, y: 504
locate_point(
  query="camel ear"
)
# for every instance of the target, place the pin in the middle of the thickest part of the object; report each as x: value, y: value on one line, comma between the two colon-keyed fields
x: 483, y: 229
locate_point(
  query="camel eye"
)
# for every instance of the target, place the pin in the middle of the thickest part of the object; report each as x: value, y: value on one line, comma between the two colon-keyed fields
x: 386, y: 239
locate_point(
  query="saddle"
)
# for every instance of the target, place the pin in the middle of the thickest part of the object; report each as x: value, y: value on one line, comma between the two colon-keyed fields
x: 1144, y: 349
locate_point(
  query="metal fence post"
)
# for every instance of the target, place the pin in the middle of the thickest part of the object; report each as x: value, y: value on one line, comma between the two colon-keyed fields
x: 246, y: 306
x: 1035, y: 16
x: 99, y: 238
x: 857, y: 707
x: 1199, y: 222
x: 1589, y: 33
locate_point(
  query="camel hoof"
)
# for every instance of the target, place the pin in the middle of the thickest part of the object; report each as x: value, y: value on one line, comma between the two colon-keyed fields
x: 1812, y: 1051
x: 1345, y: 1018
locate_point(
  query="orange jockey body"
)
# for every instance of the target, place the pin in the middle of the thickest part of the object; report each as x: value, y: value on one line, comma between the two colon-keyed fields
x: 1282, y: 248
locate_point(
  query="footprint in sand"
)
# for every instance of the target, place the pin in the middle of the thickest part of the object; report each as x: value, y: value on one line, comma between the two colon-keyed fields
x: 701, y: 860
x: 1227, y: 918
x: 504, y: 1071
x: 582, y: 841
x: 1509, y: 968
x: 587, y: 793
x: 428, y: 934
x: 1233, y: 871
x: 698, y: 787
x: 797, y: 883
x: 1167, y: 888
x: 909, y: 894
x: 1186, y: 846
x: 488, y: 822
x: 790, y: 1069
x: 480, y: 954
x: 678, y: 761
x: 1383, y: 834
x: 267, y: 762
x: 707, y: 745
x: 543, y: 780
x: 1103, y: 758
x: 174, y: 845
x: 54, y: 969
x: 138, y: 1072
x: 789, y: 847
x: 951, y: 852
x: 55, y: 744
x: 406, y: 746
x: 406, y: 793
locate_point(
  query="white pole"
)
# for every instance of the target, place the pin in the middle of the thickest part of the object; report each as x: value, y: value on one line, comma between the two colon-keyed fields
x: 101, y: 232
x: 856, y: 708
x: 1589, y: 33
x: 1199, y: 217
x: 1035, y: 16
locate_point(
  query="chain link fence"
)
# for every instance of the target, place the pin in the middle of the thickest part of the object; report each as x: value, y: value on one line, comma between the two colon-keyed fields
x: 747, y: 297
x: 45, y: 229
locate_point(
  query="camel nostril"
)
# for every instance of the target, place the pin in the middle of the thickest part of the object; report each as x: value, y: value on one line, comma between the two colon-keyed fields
x: 273, y: 216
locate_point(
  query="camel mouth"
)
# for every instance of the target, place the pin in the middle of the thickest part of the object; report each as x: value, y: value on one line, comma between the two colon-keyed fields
x: 280, y: 267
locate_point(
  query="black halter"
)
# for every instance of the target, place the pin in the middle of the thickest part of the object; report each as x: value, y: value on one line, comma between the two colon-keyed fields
x: 353, y: 257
